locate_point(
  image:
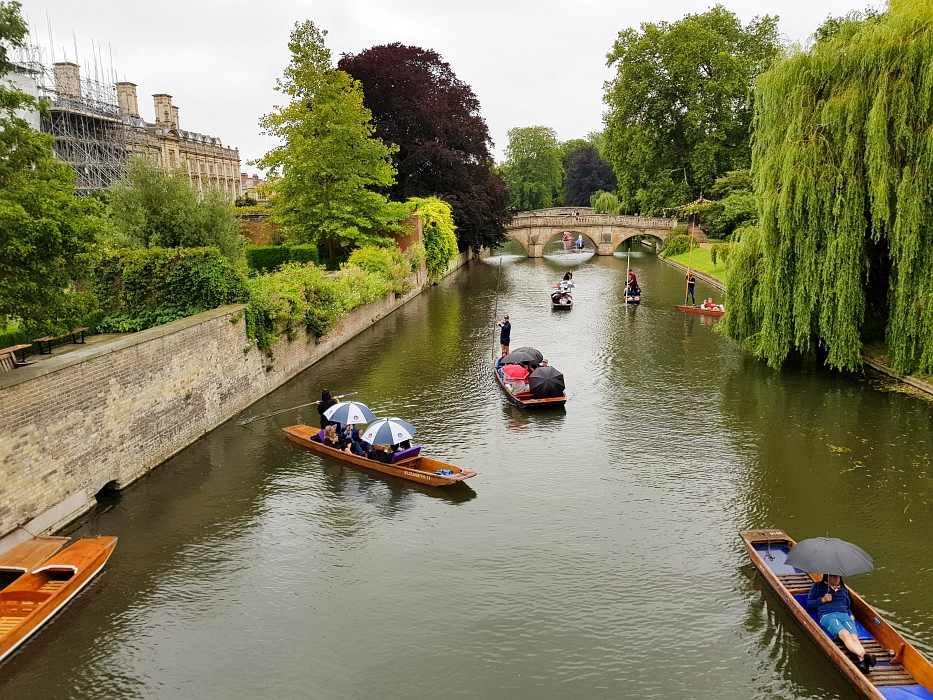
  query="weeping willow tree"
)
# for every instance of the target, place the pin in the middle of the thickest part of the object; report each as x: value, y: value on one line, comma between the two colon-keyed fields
x: 843, y: 166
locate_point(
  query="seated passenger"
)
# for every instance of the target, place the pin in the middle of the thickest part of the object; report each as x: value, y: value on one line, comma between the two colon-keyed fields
x: 384, y: 456
x: 330, y: 437
x: 403, y: 445
x: 829, y: 598
x: 362, y: 447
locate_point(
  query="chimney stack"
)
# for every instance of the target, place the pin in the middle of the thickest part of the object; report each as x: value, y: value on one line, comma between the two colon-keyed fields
x: 243, y: 178
x: 163, y: 109
x: 126, y: 96
x: 68, y: 80
x: 175, y: 117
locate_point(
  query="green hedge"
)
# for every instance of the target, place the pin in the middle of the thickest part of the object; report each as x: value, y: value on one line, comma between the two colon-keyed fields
x: 675, y: 244
x: 139, y: 289
x: 13, y: 337
x: 266, y: 258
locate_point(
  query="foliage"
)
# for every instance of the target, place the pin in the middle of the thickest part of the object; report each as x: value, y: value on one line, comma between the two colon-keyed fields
x: 532, y: 169
x: 244, y: 201
x: 720, y: 251
x: 139, y: 289
x: 675, y: 244
x: 157, y: 208
x: 842, y: 167
x: 265, y: 258
x: 679, y: 111
x: 420, y: 105
x: 586, y: 174
x: 699, y: 261
x: 306, y: 296
x: 605, y: 203
x: 13, y: 336
x: 44, y: 227
x: 329, y: 160
x: 440, y: 240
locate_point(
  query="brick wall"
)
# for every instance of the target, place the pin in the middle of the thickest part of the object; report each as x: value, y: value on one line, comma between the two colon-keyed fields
x: 108, y: 413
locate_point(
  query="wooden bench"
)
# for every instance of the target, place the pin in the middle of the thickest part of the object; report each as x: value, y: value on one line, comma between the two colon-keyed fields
x: 8, y: 357
x: 47, y: 341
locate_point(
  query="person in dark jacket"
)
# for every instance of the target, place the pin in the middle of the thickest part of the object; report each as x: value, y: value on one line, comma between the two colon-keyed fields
x: 505, y: 335
x: 829, y: 599
x: 326, y: 402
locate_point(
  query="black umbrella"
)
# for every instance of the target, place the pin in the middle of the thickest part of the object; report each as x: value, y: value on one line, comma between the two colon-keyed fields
x: 828, y: 555
x: 516, y: 357
x: 546, y: 383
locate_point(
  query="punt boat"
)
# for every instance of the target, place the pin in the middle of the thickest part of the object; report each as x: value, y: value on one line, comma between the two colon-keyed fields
x: 715, y: 313
x: 902, y: 673
x: 561, y: 307
x: 27, y: 556
x: 406, y: 464
x: 33, y: 598
x: 525, y: 398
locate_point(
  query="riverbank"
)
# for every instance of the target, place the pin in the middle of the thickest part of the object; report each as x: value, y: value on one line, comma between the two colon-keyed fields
x: 701, y: 265
x: 876, y: 357
x: 100, y: 417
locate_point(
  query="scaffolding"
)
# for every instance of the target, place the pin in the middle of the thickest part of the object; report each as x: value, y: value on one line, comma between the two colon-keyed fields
x: 82, y: 116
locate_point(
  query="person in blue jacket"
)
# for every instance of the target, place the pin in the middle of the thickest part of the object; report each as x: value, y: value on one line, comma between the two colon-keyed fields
x: 829, y: 599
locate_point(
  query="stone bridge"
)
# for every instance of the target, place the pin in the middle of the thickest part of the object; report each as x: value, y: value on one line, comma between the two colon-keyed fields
x: 533, y: 229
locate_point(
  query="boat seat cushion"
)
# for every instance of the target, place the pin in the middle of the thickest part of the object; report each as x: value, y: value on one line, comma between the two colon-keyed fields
x: 320, y: 436
x: 905, y: 692
x: 862, y: 632
x: 413, y: 451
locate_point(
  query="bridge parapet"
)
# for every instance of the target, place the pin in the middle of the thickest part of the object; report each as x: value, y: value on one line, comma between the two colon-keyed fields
x: 576, y: 222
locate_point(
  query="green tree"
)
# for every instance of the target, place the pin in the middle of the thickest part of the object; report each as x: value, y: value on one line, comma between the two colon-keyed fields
x: 841, y: 165
x: 679, y: 108
x: 157, y: 208
x: 440, y: 237
x: 532, y: 169
x: 329, y: 159
x: 44, y: 227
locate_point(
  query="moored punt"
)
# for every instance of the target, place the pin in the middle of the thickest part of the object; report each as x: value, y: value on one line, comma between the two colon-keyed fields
x: 28, y: 555
x: 31, y: 600
x: 413, y: 468
x: 716, y: 313
x: 902, y: 673
x: 526, y: 398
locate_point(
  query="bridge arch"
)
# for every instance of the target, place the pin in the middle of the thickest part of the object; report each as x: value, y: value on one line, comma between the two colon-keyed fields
x: 607, y: 231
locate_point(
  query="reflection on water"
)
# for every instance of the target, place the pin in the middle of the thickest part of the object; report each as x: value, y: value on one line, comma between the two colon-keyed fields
x: 594, y: 556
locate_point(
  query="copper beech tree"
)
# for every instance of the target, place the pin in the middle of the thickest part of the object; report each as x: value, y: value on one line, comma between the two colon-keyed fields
x: 420, y: 105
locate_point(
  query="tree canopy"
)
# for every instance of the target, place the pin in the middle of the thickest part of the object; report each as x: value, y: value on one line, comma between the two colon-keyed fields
x: 533, y: 170
x: 330, y: 163
x: 586, y: 174
x: 679, y: 110
x: 44, y: 227
x: 157, y: 208
x: 443, y: 143
x: 842, y: 169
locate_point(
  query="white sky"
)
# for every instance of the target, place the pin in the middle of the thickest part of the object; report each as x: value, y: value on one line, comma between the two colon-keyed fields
x: 529, y: 61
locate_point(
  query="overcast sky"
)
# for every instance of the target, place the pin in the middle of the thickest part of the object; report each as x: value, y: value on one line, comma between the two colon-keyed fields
x: 529, y: 61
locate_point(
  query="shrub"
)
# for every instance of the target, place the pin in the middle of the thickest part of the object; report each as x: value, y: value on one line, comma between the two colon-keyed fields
x: 387, y: 263
x: 440, y: 239
x: 139, y: 289
x: 12, y: 336
x: 266, y: 258
x: 675, y: 244
x: 719, y: 251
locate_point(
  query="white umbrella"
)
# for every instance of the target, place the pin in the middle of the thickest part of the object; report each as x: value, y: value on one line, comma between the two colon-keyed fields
x: 388, y: 431
x: 349, y: 412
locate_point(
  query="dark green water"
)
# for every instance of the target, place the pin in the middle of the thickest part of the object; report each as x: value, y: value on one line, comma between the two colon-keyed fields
x: 594, y: 556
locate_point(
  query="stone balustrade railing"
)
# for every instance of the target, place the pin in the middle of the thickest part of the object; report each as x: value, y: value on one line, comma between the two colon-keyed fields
x: 568, y: 222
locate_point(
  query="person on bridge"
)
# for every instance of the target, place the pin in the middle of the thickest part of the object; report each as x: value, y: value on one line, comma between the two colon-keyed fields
x: 505, y: 335
x: 691, y: 283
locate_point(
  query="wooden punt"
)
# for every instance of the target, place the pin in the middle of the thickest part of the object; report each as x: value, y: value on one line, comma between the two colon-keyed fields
x: 902, y: 673
x: 633, y: 300
x: 701, y: 311
x: 561, y: 307
x: 419, y: 469
x: 525, y: 398
x: 32, y: 600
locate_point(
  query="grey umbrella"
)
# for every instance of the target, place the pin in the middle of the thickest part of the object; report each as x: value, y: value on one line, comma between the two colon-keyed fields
x: 828, y: 555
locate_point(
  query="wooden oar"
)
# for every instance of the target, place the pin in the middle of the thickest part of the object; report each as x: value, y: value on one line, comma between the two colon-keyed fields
x: 285, y: 410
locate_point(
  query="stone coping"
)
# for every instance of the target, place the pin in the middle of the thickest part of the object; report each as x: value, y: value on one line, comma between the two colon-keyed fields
x: 55, y: 364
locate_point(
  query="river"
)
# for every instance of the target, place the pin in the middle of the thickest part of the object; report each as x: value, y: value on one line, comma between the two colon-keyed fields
x: 595, y: 555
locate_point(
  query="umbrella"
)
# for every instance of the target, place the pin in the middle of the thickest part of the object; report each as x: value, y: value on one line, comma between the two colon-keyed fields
x: 515, y: 371
x: 529, y: 355
x: 388, y: 431
x: 546, y: 383
x: 349, y: 412
x: 828, y: 555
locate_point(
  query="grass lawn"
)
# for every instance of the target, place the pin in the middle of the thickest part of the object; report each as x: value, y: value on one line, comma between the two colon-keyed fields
x: 702, y: 262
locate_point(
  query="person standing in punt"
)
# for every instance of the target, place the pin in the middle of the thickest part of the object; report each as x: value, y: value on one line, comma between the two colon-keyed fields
x: 829, y: 599
x: 326, y: 402
x: 568, y: 276
x: 691, y: 283
x: 505, y: 335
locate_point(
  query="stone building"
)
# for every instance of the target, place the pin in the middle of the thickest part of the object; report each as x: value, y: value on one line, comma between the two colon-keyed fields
x: 250, y: 186
x: 209, y: 163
